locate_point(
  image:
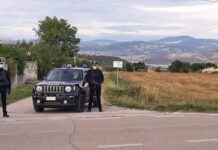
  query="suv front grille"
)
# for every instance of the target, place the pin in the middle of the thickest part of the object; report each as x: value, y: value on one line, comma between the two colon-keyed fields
x: 53, y: 89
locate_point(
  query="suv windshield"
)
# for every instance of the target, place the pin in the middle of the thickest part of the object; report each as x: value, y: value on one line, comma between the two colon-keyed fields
x: 65, y: 75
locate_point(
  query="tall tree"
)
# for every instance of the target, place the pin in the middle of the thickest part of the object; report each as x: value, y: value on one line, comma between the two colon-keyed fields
x: 57, y: 44
x: 59, y: 33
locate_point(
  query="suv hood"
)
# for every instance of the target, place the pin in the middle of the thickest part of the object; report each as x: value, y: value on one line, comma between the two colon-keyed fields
x: 58, y: 83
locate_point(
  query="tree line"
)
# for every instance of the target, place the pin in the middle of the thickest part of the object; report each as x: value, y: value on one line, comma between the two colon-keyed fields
x: 136, y: 66
x: 185, y: 67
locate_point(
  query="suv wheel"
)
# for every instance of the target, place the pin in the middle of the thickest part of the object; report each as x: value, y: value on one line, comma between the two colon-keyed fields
x: 38, y: 109
x: 80, y: 103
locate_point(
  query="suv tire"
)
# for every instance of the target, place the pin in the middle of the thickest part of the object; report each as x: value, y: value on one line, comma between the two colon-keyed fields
x: 80, y: 106
x: 38, y: 109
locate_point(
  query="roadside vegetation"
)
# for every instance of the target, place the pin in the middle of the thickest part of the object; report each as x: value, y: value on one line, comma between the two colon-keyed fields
x: 164, y: 91
x: 185, y: 67
x: 15, y: 57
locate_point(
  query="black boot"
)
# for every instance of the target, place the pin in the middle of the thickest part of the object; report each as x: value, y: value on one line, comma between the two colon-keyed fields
x: 6, y: 115
x: 89, y: 110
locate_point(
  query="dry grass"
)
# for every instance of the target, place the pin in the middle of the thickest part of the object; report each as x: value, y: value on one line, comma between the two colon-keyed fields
x: 166, y: 91
x: 174, y: 87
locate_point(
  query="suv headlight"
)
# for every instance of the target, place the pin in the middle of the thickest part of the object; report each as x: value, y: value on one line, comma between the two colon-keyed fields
x: 68, y: 88
x: 39, y: 88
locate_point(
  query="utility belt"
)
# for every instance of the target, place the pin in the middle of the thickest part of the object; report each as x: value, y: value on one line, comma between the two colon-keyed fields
x: 6, y: 85
x: 3, y: 88
x: 94, y: 85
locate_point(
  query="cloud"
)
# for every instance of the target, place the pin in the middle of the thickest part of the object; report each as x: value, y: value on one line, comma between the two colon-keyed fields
x: 214, y: 30
x: 209, y: 8
x: 213, y: 1
x: 128, y: 28
x: 116, y: 19
x: 137, y: 27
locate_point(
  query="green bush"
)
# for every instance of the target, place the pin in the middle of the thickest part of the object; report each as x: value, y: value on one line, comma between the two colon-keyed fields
x: 179, y: 66
x: 158, y: 69
x: 129, y: 67
x: 140, y: 66
x: 17, y: 54
x: 12, y: 67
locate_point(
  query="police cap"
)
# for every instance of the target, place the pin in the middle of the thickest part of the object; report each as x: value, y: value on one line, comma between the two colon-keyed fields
x: 94, y: 62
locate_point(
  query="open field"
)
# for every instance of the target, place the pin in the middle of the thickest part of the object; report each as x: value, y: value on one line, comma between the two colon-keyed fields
x: 164, y: 91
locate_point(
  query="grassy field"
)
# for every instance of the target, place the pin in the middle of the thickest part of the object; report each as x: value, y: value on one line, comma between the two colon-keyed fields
x: 164, y: 91
x: 19, y: 93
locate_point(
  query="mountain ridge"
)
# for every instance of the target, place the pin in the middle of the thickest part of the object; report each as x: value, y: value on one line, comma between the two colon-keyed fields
x: 165, y: 50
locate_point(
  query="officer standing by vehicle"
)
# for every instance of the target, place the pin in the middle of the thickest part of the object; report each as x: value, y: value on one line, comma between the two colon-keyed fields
x: 5, y: 87
x: 95, y: 78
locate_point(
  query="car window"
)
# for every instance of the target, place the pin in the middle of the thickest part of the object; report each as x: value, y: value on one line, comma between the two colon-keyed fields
x: 65, y: 75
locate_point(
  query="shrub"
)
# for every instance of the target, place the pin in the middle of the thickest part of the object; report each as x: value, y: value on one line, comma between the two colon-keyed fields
x: 140, y: 66
x: 18, y: 55
x: 179, y: 66
x: 12, y: 67
x: 129, y: 67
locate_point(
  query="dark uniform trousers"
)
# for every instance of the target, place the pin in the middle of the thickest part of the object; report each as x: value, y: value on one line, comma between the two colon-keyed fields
x: 93, y: 89
x: 5, y: 85
x: 3, y: 98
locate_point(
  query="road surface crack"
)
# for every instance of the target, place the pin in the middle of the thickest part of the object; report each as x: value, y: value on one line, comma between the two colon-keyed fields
x: 73, y: 135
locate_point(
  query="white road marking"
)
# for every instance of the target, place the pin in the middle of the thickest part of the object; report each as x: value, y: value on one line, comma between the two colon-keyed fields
x: 203, y: 140
x: 101, y: 118
x: 114, y: 116
x: 135, y: 115
x: 58, y: 118
x: 213, y: 114
x: 120, y: 145
x: 186, y: 113
x: 168, y: 116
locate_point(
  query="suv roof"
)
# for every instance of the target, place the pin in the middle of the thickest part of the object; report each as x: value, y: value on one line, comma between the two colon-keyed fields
x: 75, y: 68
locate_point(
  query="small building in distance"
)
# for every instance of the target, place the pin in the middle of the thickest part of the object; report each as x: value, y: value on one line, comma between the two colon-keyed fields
x: 210, y: 70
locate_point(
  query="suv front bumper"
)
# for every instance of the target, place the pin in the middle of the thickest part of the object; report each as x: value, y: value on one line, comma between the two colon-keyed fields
x: 60, y: 101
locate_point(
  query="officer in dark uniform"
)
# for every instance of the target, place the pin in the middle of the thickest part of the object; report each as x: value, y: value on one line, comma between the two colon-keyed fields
x: 5, y: 87
x: 95, y: 78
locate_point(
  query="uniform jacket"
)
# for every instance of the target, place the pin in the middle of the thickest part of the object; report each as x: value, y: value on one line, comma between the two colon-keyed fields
x: 93, y: 76
x: 5, y: 82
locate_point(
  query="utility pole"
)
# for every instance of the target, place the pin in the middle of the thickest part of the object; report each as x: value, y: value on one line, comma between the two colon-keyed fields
x: 75, y: 55
x: 117, y: 77
x: 75, y: 60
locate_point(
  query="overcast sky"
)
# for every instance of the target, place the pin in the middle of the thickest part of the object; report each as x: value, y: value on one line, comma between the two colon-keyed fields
x: 113, y: 19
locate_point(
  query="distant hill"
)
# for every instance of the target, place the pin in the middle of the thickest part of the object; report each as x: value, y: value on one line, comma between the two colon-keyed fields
x: 162, y: 51
x: 100, y: 42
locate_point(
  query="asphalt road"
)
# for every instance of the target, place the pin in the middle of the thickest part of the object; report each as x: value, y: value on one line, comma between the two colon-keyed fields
x: 115, y: 128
